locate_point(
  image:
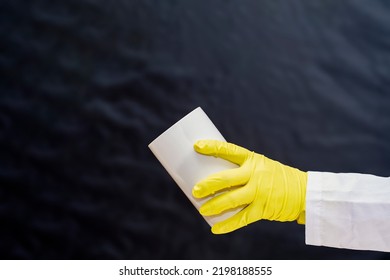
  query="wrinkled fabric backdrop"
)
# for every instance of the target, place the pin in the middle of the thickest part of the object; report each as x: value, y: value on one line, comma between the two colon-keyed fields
x: 86, y: 85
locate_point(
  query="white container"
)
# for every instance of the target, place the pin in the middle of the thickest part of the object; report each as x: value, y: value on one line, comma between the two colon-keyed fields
x: 174, y: 149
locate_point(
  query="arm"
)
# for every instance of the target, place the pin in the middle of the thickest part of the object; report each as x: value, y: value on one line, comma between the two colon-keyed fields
x: 348, y: 210
x: 340, y: 210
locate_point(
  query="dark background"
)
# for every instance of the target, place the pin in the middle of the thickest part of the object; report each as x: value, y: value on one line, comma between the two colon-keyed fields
x: 86, y: 85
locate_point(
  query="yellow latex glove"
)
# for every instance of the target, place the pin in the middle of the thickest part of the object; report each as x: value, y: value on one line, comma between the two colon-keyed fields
x: 268, y: 189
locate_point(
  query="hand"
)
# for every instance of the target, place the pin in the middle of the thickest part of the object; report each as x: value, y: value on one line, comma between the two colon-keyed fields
x: 266, y: 188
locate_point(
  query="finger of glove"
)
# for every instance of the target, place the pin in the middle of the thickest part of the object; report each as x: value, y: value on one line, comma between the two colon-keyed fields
x: 225, y: 150
x: 226, y: 201
x: 219, y: 181
x: 239, y: 220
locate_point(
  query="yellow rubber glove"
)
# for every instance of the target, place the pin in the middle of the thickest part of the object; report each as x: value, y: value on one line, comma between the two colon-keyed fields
x: 268, y: 189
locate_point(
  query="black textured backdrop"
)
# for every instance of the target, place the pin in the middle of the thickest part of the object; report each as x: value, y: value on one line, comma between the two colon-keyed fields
x: 85, y: 85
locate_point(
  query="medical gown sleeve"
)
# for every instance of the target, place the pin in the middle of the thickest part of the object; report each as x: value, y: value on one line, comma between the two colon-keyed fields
x: 348, y: 210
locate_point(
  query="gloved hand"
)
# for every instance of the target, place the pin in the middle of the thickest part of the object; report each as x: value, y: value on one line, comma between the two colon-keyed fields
x: 268, y: 189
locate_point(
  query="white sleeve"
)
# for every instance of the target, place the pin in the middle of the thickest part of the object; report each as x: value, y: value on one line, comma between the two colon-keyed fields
x: 348, y: 210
